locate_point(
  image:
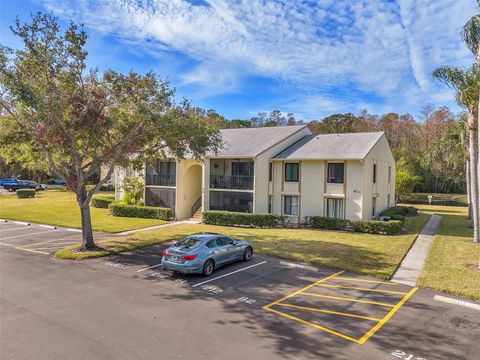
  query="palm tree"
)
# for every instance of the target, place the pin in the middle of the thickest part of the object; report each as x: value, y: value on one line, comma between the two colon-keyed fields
x: 471, y: 37
x: 466, y: 82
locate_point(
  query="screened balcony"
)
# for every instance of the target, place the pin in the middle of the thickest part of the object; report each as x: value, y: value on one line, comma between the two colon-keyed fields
x: 161, y: 173
x: 231, y: 174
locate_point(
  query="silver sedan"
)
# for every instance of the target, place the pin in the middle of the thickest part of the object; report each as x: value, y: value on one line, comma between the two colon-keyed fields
x: 203, y: 253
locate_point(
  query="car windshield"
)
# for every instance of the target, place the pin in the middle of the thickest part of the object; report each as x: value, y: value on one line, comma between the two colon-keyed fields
x: 188, y: 243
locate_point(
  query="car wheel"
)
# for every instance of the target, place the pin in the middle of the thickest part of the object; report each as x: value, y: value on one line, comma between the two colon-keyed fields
x: 247, y: 254
x: 208, y: 268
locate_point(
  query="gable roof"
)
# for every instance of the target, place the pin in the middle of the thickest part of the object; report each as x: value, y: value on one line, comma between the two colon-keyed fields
x: 351, y: 146
x: 250, y: 142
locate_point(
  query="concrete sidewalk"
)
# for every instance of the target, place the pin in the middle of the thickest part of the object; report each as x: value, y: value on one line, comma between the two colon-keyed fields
x: 173, y: 223
x: 409, y: 270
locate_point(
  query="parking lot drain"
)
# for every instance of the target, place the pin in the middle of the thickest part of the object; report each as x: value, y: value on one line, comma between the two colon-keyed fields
x: 363, y: 289
x: 348, y: 299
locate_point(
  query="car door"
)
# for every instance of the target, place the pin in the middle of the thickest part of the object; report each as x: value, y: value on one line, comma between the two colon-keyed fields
x: 217, y: 251
x: 231, y: 249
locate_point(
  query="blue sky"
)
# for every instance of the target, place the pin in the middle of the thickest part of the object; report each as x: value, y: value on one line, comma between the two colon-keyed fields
x: 312, y: 58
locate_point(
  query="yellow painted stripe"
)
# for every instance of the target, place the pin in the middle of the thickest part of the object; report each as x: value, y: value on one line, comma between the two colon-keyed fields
x: 387, y: 317
x: 330, y: 312
x: 363, y: 289
x: 333, y: 332
x: 348, y: 299
x: 302, y: 289
x: 369, y: 281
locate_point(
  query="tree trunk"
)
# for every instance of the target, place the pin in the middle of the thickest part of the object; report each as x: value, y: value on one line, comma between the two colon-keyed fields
x: 87, y: 234
x: 474, y: 184
x: 469, y: 195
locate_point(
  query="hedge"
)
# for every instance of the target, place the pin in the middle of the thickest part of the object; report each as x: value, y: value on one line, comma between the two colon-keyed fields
x: 390, y: 227
x: 102, y: 201
x: 365, y: 226
x: 26, y: 193
x: 400, y: 212
x: 148, y: 212
x: 321, y: 222
x: 215, y: 217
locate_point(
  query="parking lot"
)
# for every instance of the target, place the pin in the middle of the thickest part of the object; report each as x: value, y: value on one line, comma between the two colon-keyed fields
x: 38, y: 239
x: 263, y: 309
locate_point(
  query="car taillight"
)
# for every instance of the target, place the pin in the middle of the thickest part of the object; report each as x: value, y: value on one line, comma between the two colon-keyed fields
x: 189, y: 257
x: 165, y: 253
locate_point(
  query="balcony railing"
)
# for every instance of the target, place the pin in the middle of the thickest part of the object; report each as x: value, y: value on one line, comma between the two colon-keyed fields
x: 237, y: 182
x: 160, y: 180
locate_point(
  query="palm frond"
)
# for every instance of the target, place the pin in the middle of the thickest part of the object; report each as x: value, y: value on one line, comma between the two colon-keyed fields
x: 452, y: 76
x: 471, y: 35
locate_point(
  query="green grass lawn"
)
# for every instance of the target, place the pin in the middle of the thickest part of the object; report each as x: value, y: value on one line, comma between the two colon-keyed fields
x: 59, y: 207
x: 376, y: 255
x: 441, y: 199
x: 452, y: 264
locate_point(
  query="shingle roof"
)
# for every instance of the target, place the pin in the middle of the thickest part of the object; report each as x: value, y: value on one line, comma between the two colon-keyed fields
x: 331, y: 146
x: 249, y: 142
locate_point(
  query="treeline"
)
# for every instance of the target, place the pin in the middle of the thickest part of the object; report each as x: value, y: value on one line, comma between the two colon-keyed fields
x: 429, y: 148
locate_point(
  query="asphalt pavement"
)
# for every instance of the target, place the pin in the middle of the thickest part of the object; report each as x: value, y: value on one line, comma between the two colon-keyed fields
x: 126, y: 307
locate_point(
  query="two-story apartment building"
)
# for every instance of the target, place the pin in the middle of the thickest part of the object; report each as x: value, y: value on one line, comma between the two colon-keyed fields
x: 282, y: 170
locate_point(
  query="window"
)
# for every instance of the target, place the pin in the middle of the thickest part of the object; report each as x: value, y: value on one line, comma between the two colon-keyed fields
x: 335, y: 173
x: 335, y: 208
x: 291, y: 172
x: 223, y: 241
x: 290, y: 204
x: 374, y: 207
x: 242, y: 168
x: 161, y: 173
x: 374, y: 173
x: 231, y: 201
x: 389, y: 175
x: 270, y: 172
x: 212, y: 244
x: 160, y: 197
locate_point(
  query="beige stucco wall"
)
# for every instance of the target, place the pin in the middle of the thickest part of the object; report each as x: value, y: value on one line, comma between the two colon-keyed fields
x: 313, y: 190
x: 261, y: 183
x: 189, y: 187
x: 382, y: 156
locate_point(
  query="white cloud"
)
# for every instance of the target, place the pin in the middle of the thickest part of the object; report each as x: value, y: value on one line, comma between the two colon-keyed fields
x: 380, y: 48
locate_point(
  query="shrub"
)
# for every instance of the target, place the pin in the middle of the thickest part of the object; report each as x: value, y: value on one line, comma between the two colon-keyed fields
x: 133, y: 188
x: 400, y: 212
x: 149, y: 212
x: 321, y: 222
x: 108, y: 187
x: 377, y: 227
x: 229, y: 218
x: 102, y: 201
x: 26, y: 193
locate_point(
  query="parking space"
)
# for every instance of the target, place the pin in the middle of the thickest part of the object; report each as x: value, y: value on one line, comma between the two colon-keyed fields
x: 348, y: 307
x: 36, y: 238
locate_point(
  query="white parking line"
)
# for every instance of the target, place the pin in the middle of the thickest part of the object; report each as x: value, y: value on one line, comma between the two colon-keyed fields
x: 33, y: 251
x: 22, y: 223
x: 30, y: 234
x: 48, y: 226
x: 150, y: 267
x: 231, y: 273
x: 76, y: 230
x: 16, y: 228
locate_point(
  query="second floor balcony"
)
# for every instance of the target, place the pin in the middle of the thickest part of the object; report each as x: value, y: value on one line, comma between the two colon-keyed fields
x: 160, y: 180
x: 235, y: 182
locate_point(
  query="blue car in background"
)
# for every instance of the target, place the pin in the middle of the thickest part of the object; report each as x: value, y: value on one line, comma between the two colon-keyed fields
x: 203, y: 253
x: 15, y: 184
